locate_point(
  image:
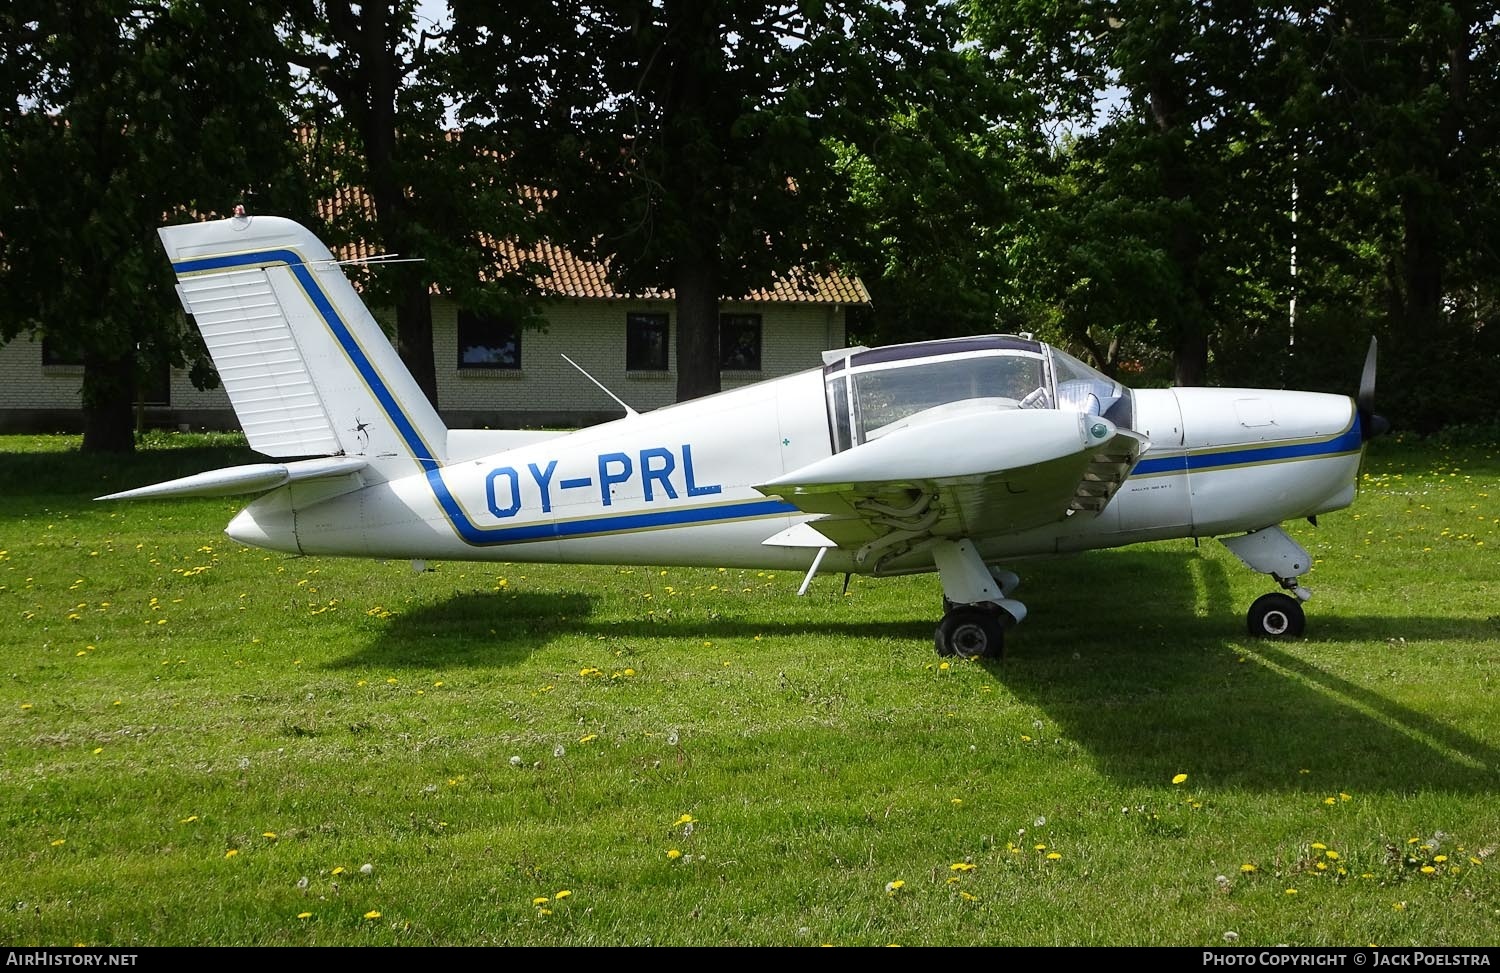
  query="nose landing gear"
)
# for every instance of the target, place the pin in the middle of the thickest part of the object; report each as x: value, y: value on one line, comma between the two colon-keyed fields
x: 1271, y: 551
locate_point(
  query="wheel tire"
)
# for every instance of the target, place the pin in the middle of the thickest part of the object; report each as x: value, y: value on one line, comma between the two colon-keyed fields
x: 1276, y: 616
x: 970, y: 632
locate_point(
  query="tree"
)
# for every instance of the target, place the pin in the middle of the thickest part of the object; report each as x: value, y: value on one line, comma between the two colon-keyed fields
x: 1182, y: 182
x: 696, y: 145
x: 115, y: 118
x: 379, y: 113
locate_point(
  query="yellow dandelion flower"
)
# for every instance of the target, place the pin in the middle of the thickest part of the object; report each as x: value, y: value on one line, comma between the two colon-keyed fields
x: 540, y: 900
x: 26, y: 706
x: 98, y: 749
x: 629, y: 672
x: 1332, y: 855
x: 438, y: 684
x: 338, y: 870
x: 1321, y: 866
x: 1440, y: 858
x: 544, y: 912
x: 59, y: 842
x: 1318, y: 846
x: 684, y: 819
x: 1025, y: 738
x: 304, y: 915
x: 673, y: 854
x: 1398, y: 906
x: 268, y: 834
x: 231, y: 853
x: 955, y: 801
x: 961, y: 867
x: 373, y: 914
x: 1180, y: 778
x: 1344, y: 797
x: 1329, y: 801
x: 1053, y: 856
x: 1474, y: 861
x: 1291, y: 891
x: 1039, y: 847
x: 953, y: 880
x: 189, y: 819
x: 1428, y: 870
x: 967, y: 896
x: 942, y: 666
x: 1247, y: 868
x: 891, y: 888
x: 563, y: 894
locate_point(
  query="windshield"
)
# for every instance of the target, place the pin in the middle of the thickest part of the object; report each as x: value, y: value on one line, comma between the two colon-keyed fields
x: 874, y: 392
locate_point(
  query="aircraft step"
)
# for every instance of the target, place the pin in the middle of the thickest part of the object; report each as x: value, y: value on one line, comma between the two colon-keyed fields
x: 1101, y: 479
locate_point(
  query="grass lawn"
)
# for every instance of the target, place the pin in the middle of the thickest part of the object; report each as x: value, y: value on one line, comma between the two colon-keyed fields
x: 205, y: 744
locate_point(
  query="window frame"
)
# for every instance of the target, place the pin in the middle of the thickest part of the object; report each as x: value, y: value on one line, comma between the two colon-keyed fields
x: 651, y: 320
x: 470, y: 319
x: 741, y: 320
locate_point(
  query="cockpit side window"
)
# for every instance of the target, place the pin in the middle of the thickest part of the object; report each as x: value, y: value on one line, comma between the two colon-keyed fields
x: 1083, y: 389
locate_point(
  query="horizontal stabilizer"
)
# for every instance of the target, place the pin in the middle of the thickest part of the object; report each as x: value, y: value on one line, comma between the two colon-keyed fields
x: 255, y: 478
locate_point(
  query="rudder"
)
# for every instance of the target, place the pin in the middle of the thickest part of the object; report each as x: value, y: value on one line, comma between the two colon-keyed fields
x: 307, y: 368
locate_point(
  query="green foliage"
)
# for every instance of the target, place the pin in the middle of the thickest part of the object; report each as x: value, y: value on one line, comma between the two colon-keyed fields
x: 199, y: 743
x: 120, y: 117
x: 697, y: 146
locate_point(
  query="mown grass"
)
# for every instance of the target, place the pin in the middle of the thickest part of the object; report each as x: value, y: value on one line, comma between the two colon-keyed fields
x: 191, y: 729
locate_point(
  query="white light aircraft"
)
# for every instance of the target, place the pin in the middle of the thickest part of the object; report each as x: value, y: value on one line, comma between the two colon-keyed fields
x: 955, y: 455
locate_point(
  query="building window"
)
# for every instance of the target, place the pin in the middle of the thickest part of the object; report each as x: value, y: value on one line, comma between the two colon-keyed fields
x: 739, y: 342
x: 51, y: 355
x: 485, y: 342
x: 646, y: 342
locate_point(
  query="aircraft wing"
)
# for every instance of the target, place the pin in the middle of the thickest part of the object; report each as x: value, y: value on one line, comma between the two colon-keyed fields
x: 972, y: 475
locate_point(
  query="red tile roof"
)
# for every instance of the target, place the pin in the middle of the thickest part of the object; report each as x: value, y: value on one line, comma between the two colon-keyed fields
x: 573, y: 276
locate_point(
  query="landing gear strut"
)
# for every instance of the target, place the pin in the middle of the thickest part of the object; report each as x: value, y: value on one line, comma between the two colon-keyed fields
x: 976, y: 611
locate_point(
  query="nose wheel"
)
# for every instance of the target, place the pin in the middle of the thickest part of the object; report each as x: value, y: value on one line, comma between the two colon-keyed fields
x: 1276, y: 616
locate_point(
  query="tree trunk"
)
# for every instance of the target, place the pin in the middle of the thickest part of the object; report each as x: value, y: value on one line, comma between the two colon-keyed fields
x: 108, y: 407
x: 696, y: 282
x: 414, y: 335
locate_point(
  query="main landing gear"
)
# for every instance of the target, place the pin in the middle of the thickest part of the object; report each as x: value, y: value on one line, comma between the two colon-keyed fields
x: 1271, y: 551
x: 976, y: 611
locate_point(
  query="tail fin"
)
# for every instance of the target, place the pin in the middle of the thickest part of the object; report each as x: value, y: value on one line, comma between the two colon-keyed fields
x: 308, y: 370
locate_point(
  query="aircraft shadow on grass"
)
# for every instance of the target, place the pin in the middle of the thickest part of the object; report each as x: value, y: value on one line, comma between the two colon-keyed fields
x: 1148, y: 688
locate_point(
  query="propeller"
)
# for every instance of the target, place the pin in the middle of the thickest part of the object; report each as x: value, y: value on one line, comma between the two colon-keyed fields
x: 1370, y: 424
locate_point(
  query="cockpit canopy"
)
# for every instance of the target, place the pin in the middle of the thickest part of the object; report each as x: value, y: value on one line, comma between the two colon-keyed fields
x: 873, y: 392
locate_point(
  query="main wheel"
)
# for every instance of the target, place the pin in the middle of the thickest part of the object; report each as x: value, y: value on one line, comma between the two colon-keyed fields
x: 970, y: 632
x: 1276, y: 616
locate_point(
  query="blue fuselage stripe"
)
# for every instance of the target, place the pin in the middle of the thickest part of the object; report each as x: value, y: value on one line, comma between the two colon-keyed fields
x: 1348, y: 441
x: 470, y: 532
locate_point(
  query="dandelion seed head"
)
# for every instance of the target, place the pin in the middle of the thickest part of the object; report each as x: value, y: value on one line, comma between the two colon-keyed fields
x: 366, y: 868
x: 1040, y: 821
x: 516, y: 761
x: 558, y: 751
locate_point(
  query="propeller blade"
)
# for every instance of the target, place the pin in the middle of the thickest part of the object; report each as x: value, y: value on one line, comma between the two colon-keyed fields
x: 1370, y: 424
x: 1366, y: 398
